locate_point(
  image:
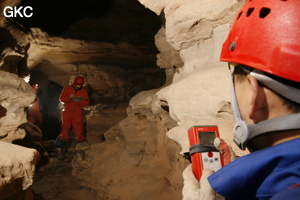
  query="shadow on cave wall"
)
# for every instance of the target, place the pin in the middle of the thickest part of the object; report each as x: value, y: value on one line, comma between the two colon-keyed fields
x: 48, y: 94
x: 63, y: 13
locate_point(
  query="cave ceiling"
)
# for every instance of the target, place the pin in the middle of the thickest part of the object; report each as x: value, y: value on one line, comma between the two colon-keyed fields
x: 110, y: 21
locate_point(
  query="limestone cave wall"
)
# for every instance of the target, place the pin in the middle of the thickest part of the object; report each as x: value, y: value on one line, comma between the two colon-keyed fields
x: 152, y: 70
x: 196, y: 93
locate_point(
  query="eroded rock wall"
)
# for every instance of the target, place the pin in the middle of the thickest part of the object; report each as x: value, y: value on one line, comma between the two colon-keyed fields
x: 196, y: 93
x: 139, y: 158
x: 114, y: 72
x: 17, y: 163
x: 199, y: 93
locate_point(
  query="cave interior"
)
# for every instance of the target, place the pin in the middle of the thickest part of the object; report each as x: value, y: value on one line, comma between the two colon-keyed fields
x: 122, y: 75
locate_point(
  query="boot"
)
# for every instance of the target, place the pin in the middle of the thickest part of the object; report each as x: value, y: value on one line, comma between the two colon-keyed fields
x: 63, y: 150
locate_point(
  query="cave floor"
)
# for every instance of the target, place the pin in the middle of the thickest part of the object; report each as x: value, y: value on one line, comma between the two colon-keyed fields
x: 55, y: 180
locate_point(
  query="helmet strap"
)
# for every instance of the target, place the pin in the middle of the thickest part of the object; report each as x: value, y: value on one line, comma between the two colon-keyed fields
x: 287, y: 91
x: 244, y: 132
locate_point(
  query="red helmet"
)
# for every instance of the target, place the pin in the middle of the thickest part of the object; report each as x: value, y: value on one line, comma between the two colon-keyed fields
x: 266, y: 35
x: 35, y: 86
x: 78, y: 82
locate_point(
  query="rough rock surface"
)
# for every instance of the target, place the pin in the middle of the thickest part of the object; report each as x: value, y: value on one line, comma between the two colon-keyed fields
x: 196, y: 92
x: 113, y: 72
x: 17, y: 171
x: 199, y: 93
x: 139, y: 157
x: 15, y: 96
x: 18, y: 164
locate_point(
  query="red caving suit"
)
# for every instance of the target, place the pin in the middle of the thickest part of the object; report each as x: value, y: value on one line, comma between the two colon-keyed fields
x: 72, y: 114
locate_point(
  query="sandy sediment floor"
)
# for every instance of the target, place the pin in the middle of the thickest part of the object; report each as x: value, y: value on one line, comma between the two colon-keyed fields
x: 55, y: 180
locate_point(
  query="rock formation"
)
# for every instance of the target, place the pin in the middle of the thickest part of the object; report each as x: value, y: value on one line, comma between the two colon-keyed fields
x: 196, y: 93
x: 17, y: 171
x: 199, y: 92
x: 137, y: 152
x: 18, y: 164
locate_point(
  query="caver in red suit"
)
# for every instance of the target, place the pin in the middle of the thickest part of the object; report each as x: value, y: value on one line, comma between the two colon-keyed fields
x: 74, y: 98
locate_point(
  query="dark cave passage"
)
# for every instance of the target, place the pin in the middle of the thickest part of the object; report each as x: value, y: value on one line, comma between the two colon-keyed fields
x: 111, y: 44
x: 111, y: 79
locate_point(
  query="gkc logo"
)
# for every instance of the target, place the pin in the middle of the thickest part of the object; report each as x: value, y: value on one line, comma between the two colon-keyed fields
x: 21, y: 11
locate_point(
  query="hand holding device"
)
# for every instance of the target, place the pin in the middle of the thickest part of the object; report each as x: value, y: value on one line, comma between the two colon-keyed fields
x: 196, y: 185
x: 194, y: 189
x: 225, y: 149
x: 74, y: 98
x: 204, y: 155
x: 77, y: 98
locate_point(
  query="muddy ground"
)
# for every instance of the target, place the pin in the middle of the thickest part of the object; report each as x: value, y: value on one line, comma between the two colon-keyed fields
x: 54, y: 181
